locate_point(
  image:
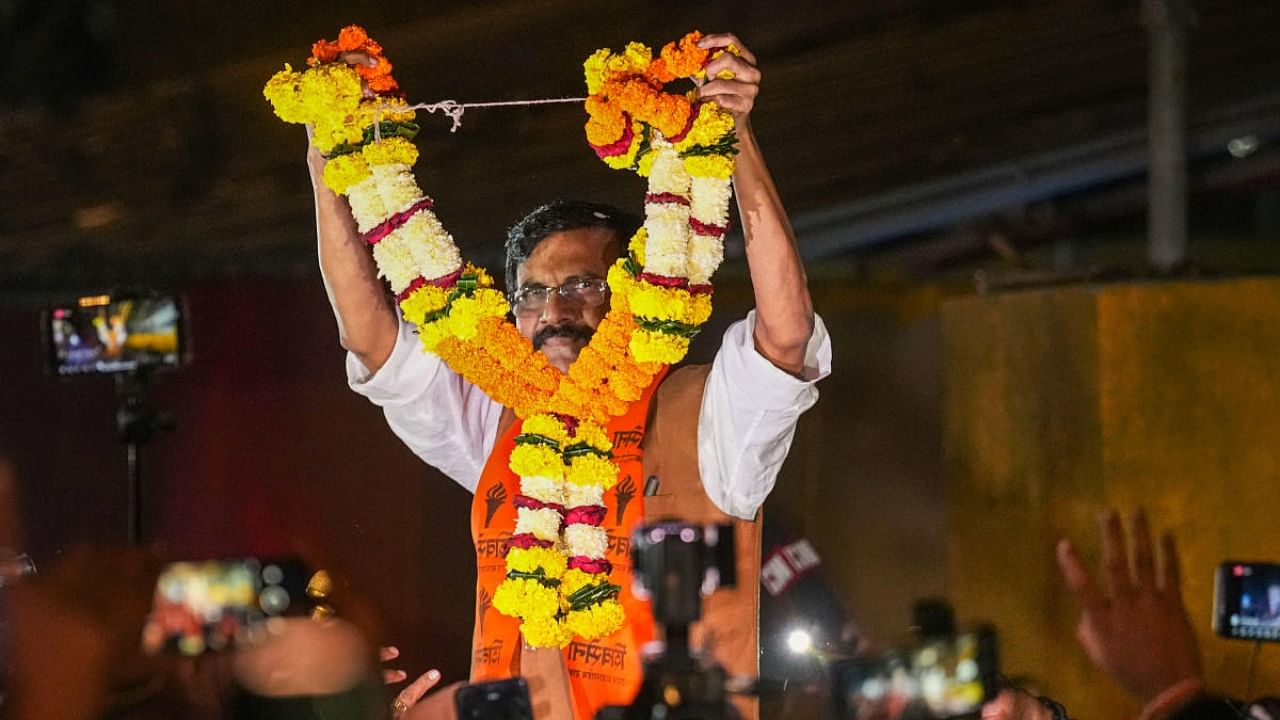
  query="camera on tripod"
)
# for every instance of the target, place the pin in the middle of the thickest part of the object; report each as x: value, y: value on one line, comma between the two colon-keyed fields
x: 675, y: 565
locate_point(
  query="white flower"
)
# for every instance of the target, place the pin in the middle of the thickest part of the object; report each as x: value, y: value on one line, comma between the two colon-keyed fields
x: 395, y: 262
x: 396, y: 185
x: 576, y: 495
x: 668, y: 174
x: 433, y: 250
x: 587, y: 540
x: 706, y: 252
x: 543, y: 489
x: 544, y: 524
x: 366, y: 204
x: 709, y: 200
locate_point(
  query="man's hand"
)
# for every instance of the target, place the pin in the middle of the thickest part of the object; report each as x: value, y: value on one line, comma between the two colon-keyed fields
x: 733, y: 81
x: 1137, y: 631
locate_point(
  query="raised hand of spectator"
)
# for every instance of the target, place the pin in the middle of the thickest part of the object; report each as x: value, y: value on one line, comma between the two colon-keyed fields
x: 1135, y: 629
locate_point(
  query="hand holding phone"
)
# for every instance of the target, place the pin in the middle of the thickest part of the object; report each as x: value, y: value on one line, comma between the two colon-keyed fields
x: 940, y: 677
x: 216, y: 604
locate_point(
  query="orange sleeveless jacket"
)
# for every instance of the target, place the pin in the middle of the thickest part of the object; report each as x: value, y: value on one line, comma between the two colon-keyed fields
x: 657, y: 437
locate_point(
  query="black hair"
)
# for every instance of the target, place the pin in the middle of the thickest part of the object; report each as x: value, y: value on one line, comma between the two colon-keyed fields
x: 561, y: 216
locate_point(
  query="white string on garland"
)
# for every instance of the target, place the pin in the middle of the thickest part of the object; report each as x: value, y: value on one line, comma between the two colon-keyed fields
x: 455, y: 109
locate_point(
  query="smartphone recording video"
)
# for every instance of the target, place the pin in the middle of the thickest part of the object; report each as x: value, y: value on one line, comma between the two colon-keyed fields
x: 215, y: 605
x: 1247, y: 601
x: 114, y: 334
x: 943, y: 677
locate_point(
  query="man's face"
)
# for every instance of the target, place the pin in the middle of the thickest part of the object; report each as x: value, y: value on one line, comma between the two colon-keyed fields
x: 564, y: 327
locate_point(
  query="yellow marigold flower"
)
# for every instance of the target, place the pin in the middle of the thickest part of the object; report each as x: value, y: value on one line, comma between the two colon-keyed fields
x: 285, y: 96
x: 483, y: 278
x: 526, y: 599
x: 596, y: 620
x: 594, y: 435
x: 422, y: 302
x: 636, y: 246
x: 466, y: 312
x: 548, y: 426
x: 659, y: 303
x: 536, y: 460
x: 649, y: 346
x: 592, y: 470
x: 545, y: 633
x: 594, y: 68
x: 342, y: 172
x: 646, y: 164
x: 711, y: 125
x: 330, y: 92
x: 433, y: 335
x: 633, y: 60
x: 574, y: 580
x: 553, y: 563
x: 393, y: 150
x: 709, y: 166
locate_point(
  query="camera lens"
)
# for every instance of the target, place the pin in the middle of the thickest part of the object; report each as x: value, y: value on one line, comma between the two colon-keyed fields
x: 274, y: 600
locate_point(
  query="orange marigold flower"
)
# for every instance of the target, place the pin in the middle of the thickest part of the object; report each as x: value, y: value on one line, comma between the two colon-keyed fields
x: 322, y: 51
x: 383, y: 84
x: 607, y: 123
x: 685, y: 58
x: 352, y: 37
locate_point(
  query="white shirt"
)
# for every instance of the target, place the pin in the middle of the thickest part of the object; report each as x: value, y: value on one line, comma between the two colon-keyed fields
x: 745, y: 425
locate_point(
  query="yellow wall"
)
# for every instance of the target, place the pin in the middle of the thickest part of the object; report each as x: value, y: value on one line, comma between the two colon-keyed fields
x: 1058, y: 402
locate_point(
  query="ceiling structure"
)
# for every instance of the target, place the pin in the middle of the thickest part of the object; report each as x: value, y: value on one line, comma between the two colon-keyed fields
x: 136, y: 147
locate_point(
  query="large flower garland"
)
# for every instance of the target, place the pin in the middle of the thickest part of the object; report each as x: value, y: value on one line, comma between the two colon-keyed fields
x: 557, y: 575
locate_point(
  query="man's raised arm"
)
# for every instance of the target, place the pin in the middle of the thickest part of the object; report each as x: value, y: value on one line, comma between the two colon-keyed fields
x: 784, y: 311
x: 367, y: 324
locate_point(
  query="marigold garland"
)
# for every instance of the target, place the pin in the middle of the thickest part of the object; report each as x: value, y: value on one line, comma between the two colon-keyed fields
x: 557, y: 574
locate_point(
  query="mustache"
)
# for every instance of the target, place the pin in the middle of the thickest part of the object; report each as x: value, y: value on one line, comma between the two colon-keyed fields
x: 563, y: 330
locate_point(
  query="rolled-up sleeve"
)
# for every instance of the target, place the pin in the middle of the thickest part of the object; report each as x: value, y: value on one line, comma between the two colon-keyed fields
x: 442, y: 418
x: 748, y: 416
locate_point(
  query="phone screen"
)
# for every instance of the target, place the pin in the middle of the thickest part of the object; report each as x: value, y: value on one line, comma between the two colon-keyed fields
x: 213, y: 605
x: 105, y: 334
x: 498, y: 700
x: 1247, y: 601
x: 941, y: 678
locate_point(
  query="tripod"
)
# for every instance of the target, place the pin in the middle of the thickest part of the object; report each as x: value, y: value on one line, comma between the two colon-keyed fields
x: 136, y: 423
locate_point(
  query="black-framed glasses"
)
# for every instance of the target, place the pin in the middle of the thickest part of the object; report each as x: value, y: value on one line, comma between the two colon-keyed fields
x: 583, y: 292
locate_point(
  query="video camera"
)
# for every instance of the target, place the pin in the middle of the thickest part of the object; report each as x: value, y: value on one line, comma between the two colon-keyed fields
x: 675, y: 565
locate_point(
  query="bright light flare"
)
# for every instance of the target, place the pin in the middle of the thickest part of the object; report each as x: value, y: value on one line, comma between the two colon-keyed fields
x: 800, y: 642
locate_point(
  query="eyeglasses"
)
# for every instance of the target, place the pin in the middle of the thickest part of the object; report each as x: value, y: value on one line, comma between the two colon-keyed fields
x: 584, y: 293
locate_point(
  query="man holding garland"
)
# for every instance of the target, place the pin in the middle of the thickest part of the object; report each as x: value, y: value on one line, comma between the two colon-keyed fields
x: 702, y: 443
